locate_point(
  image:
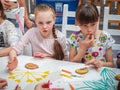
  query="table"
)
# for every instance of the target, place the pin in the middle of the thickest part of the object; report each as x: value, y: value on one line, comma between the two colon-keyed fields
x: 50, y: 70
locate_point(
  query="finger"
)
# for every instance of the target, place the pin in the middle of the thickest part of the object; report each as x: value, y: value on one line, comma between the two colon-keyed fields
x: 78, y: 40
x: 90, y: 62
x: 2, y: 80
x: 17, y: 87
x: 87, y: 37
x: 4, y: 84
x: 6, y: 4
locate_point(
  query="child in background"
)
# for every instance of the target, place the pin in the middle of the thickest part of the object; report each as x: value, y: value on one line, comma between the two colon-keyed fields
x: 45, y: 40
x: 7, y: 5
x: 89, y: 44
x: 8, y: 34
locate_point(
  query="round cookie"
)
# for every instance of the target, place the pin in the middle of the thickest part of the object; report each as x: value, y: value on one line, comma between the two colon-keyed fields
x: 31, y: 66
x: 82, y: 70
x: 117, y: 77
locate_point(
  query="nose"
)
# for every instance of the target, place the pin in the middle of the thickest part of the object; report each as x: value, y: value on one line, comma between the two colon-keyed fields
x: 89, y: 29
x: 44, y: 25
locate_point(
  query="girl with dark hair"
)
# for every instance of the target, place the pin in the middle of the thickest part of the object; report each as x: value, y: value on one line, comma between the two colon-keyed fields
x: 8, y: 34
x: 90, y: 45
x: 46, y: 41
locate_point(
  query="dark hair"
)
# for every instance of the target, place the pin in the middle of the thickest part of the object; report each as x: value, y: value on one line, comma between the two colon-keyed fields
x: 87, y: 13
x: 3, y: 16
x: 58, y: 51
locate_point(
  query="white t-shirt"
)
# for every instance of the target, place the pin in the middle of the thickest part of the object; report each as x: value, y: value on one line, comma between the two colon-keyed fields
x: 8, y: 34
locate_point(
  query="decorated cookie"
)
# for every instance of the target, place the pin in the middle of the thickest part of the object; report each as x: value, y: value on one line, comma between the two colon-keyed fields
x: 31, y: 66
x: 117, y: 77
x: 82, y: 70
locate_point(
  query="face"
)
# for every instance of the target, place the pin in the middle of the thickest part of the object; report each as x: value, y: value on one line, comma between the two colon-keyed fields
x: 45, y: 21
x: 88, y: 29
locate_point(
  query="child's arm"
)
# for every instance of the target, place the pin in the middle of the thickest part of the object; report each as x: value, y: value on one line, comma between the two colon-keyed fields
x: 75, y: 55
x: 5, y: 51
x: 13, y: 61
x: 99, y: 63
x: 109, y: 58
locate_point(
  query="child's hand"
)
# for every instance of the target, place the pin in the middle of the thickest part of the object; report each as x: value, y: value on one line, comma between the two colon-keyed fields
x: 39, y: 55
x: 87, y: 43
x: 42, y: 86
x: 96, y: 63
x: 12, y: 64
x: 18, y: 87
x: 3, y: 83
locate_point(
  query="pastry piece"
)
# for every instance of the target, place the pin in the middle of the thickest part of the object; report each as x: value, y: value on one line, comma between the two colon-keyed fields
x: 117, y: 77
x: 31, y: 66
x: 82, y: 70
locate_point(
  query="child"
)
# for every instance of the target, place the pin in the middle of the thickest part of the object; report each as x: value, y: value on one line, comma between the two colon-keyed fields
x: 8, y: 6
x: 89, y: 44
x: 45, y: 40
x: 8, y: 34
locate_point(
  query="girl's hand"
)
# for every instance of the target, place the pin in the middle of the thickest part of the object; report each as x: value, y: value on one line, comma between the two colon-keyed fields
x: 96, y: 63
x: 3, y: 83
x: 87, y: 43
x: 42, y: 86
x: 12, y: 64
x: 39, y: 55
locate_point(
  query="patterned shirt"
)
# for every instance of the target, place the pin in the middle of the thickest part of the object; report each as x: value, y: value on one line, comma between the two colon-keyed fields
x: 101, y: 44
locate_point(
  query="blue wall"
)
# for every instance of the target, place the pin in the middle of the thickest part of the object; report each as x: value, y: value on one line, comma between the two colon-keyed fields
x: 58, y: 6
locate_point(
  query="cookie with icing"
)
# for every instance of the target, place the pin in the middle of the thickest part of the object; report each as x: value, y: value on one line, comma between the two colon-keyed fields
x: 31, y: 66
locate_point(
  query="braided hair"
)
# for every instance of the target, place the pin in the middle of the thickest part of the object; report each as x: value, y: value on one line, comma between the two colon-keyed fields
x: 58, y: 51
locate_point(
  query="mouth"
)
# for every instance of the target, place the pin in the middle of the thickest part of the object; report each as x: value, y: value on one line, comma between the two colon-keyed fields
x: 44, y: 30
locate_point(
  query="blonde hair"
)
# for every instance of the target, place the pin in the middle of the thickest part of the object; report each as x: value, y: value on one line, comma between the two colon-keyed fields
x: 58, y: 51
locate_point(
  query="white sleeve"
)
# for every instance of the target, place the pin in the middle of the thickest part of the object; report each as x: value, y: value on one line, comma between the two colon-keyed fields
x: 12, y: 34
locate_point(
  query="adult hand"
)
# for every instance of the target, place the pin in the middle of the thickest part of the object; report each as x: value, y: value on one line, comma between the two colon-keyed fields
x: 96, y: 63
x: 5, y: 4
x: 3, y: 83
x: 12, y: 64
x: 29, y: 23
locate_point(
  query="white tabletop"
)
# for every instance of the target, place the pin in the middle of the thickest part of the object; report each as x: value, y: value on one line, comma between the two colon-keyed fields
x: 50, y: 70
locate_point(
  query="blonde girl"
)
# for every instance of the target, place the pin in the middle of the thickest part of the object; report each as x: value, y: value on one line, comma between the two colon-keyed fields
x: 46, y: 41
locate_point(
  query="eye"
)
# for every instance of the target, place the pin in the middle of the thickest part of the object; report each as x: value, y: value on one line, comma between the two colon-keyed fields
x: 40, y: 23
x: 93, y: 24
x: 49, y: 22
x: 85, y: 25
